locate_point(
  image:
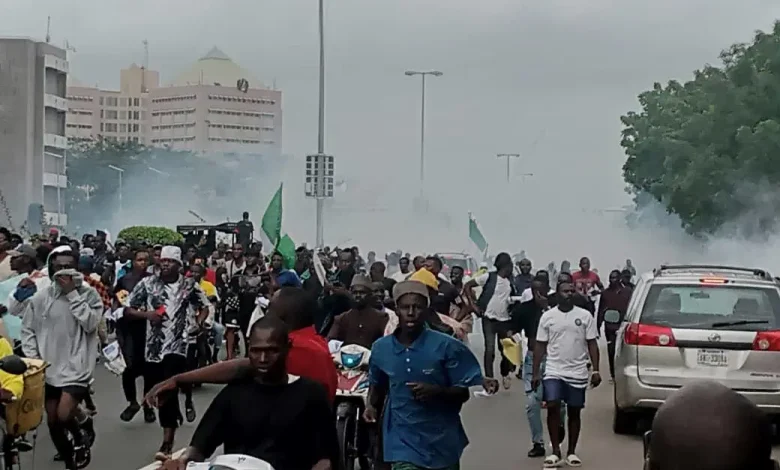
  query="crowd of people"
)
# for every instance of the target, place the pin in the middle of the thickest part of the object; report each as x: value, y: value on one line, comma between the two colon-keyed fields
x: 160, y: 302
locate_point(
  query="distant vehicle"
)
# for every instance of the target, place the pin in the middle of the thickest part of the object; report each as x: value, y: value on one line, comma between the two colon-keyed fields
x: 694, y: 322
x: 463, y: 260
x: 205, y: 236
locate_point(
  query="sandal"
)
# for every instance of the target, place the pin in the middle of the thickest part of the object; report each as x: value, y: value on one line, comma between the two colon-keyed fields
x: 573, y: 461
x: 165, y: 452
x: 553, y: 461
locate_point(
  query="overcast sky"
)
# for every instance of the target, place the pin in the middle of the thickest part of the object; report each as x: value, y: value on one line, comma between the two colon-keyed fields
x: 555, y: 72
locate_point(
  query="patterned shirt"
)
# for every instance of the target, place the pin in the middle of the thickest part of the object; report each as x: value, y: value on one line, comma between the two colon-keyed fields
x: 105, y: 294
x: 178, y: 303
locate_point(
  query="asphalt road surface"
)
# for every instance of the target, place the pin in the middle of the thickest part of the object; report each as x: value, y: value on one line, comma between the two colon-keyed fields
x: 496, y: 426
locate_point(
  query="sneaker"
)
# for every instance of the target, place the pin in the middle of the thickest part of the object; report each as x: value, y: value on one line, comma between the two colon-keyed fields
x: 149, y: 415
x: 82, y: 456
x: 536, y: 451
x: 129, y: 413
x: 507, y: 382
x: 88, y: 432
x: 189, y: 411
x: 23, y: 445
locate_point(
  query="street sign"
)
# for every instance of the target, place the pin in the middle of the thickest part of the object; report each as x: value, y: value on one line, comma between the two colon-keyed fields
x: 319, y: 176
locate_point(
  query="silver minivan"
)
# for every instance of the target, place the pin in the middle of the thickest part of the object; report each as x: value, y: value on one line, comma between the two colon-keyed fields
x: 694, y: 322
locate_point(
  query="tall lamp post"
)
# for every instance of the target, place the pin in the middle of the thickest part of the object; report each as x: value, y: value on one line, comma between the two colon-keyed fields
x: 119, y: 172
x: 423, y: 74
x: 320, y: 201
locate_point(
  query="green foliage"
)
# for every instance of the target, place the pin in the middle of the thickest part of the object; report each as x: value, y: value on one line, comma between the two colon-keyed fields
x: 93, y: 195
x: 707, y: 149
x: 153, y: 235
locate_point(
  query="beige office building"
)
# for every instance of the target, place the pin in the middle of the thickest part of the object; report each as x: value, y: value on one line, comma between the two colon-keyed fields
x: 215, y: 106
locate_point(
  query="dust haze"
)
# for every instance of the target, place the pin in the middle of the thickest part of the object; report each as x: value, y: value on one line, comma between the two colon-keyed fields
x: 564, y: 70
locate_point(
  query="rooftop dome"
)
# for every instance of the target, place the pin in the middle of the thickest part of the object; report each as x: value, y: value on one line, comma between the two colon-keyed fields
x: 215, y: 68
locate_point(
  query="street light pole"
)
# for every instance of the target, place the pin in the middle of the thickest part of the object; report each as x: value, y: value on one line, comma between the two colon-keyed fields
x: 320, y: 239
x: 508, y: 157
x: 119, y: 171
x: 423, y: 74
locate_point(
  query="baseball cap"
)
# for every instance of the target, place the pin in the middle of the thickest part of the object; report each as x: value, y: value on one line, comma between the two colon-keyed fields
x: 24, y: 250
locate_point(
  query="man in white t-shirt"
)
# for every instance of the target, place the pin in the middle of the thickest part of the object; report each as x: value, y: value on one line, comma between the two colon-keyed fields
x: 567, y: 335
x: 493, y: 306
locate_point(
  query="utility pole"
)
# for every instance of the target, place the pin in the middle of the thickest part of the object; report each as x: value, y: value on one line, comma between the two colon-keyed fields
x: 145, y: 66
x: 508, y: 157
x: 412, y: 73
x: 320, y: 240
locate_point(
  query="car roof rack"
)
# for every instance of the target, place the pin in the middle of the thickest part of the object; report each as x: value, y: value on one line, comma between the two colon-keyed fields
x: 763, y: 274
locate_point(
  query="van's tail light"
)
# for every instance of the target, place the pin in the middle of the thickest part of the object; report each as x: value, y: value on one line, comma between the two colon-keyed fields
x: 767, y: 341
x: 649, y: 335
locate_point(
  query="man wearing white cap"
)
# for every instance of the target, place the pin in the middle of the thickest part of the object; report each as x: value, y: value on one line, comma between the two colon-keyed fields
x: 171, y: 304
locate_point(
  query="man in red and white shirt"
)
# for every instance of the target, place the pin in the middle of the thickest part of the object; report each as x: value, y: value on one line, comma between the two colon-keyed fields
x: 587, y: 283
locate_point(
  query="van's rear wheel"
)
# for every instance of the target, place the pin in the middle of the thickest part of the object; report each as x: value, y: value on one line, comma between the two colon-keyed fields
x: 624, y: 422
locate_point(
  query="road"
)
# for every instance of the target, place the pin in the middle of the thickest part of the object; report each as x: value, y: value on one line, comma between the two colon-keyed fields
x: 496, y: 426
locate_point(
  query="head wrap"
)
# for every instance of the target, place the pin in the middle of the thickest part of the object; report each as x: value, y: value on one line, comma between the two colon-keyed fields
x: 425, y: 277
x: 410, y: 287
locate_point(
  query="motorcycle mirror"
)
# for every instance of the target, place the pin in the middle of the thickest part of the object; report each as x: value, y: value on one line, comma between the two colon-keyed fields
x: 13, y: 365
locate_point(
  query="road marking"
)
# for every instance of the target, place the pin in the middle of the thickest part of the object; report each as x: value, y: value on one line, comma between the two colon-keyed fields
x: 156, y: 465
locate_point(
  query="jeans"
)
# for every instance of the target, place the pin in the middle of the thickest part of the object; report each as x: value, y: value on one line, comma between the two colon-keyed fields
x: 490, y: 330
x: 533, y: 400
x: 219, y: 335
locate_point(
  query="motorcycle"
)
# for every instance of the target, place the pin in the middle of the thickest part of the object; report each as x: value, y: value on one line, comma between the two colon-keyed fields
x: 351, y: 398
x: 231, y: 462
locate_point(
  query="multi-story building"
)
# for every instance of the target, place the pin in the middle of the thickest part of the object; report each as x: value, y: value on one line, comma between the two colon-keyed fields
x: 214, y: 107
x: 33, y: 81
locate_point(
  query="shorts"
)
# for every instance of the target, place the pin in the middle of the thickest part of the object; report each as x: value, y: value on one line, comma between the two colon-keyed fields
x: 557, y: 390
x: 234, y: 320
x: 78, y: 392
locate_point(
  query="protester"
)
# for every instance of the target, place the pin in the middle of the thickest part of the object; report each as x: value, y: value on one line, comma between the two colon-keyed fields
x: 244, y: 287
x: 60, y: 327
x: 289, y: 423
x: 24, y: 261
x: 567, y: 336
x: 362, y: 324
x: 422, y: 399
x: 587, y: 283
x: 524, y: 277
x: 493, y: 306
x: 403, y: 270
x: 309, y: 355
x: 6, y: 271
x: 131, y: 335
x: 615, y: 297
x: 169, y: 302
x: 707, y: 426
x: 280, y: 276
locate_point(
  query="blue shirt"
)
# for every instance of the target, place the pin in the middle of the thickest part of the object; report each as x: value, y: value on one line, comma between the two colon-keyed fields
x: 430, y: 434
x: 288, y: 277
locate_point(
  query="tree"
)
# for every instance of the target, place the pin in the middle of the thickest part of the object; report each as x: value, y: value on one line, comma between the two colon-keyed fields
x: 94, y: 186
x: 707, y: 149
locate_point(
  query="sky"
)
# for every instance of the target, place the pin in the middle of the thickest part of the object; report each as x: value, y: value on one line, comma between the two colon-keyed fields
x: 546, y: 79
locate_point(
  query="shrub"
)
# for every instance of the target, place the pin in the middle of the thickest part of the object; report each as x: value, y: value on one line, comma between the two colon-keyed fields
x: 153, y: 235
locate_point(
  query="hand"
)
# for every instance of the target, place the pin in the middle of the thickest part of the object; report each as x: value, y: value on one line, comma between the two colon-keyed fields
x: 66, y: 283
x: 6, y: 396
x: 490, y: 385
x: 478, y: 311
x: 154, y: 318
x: 595, y: 379
x: 26, y: 282
x: 3, y: 310
x: 153, y: 397
x: 370, y: 414
x: 536, y: 380
x: 424, y: 392
x: 173, y: 464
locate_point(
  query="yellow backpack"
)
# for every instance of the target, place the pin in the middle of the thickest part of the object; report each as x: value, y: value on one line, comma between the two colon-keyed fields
x: 26, y: 413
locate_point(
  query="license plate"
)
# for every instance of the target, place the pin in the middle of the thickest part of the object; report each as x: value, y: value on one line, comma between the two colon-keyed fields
x: 712, y: 358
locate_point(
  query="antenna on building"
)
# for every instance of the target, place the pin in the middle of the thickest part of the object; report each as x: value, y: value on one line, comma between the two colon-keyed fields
x: 274, y: 88
x: 145, y: 66
x: 48, y: 29
x: 69, y: 46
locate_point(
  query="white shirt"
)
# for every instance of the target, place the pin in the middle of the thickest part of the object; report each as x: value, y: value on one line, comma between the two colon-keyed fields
x: 567, y: 335
x: 498, y: 305
x: 399, y: 276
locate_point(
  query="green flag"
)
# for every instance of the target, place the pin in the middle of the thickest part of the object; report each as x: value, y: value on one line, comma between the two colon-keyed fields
x: 476, y: 235
x: 286, y: 247
x: 272, y: 219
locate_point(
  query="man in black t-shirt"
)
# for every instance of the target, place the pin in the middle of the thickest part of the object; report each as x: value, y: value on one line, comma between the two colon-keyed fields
x: 288, y: 422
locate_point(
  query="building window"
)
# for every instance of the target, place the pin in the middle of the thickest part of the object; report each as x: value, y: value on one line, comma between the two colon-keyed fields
x: 123, y: 102
x: 136, y: 127
x: 111, y: 114
x: 123, y: 128
x: 136, y: 102
x: 135, y: 115
x: 101, y: 101
x: 111, y: 101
